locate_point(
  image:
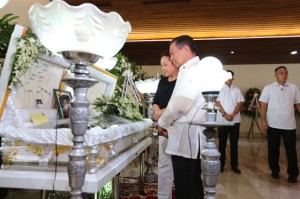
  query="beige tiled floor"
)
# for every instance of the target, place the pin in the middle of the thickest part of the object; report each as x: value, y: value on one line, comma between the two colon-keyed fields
x: 255, y: 182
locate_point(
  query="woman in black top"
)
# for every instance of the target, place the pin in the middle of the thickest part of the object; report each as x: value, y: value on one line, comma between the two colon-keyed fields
x: 162, y: 96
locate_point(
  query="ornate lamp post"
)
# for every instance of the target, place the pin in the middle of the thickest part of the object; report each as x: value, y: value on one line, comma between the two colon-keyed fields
x: 149, y: 87
x: 210, y: 87
x: 210, y: 164
x: 77, y: 165
x: 150, y: 175
x: 81, y: 35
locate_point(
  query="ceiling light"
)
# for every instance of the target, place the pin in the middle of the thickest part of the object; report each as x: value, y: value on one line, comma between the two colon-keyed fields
x: 294, y: 52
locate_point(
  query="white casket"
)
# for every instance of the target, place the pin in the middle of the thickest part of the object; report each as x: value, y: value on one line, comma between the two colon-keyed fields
x: 29, y: 146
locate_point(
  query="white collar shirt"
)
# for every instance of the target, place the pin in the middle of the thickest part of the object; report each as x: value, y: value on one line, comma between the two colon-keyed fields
x: 281, y: 100
x: 185, y: 106
x: 229, y: 97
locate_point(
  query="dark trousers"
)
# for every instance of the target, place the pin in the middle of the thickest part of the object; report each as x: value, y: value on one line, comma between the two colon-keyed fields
x: 289, y: 141
x: 187, y: 176
x: 234, y: 134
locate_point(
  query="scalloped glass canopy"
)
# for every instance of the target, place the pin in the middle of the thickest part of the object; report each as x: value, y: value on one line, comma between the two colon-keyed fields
x: 84, y: 28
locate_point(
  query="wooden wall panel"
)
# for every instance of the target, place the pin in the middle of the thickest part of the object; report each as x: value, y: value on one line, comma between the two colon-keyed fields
x: 208, y: 19
x: 211, y: 19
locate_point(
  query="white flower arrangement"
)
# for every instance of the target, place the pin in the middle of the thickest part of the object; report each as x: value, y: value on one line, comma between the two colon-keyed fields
x: 28, y: 48
x: 116, y: 105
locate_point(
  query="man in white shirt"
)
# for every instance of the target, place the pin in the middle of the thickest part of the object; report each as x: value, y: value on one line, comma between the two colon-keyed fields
x: 184, y: 143
x: 278, y: 119
x: 229, y: 102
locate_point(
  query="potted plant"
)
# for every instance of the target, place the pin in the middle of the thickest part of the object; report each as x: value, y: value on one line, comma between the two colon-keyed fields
x: 6, y: 29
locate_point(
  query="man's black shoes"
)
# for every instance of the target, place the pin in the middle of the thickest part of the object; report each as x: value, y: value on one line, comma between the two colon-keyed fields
x: 236, y: 170
x: 275, y: 175
x: 292, y: 179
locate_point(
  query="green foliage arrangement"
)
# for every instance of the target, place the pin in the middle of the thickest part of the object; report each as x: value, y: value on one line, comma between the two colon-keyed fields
x: 6, y: 29
x: 248, y: 98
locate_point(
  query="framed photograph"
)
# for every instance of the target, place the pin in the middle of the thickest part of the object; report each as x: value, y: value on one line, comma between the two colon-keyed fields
x: 39, y: 103
x: 62, y: 99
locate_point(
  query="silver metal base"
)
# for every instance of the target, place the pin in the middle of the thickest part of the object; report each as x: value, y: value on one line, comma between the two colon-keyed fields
x: 149, y: 175
x: 210, y: 163
x: 77, y: 165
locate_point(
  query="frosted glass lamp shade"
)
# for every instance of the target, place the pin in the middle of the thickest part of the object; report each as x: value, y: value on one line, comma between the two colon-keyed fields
x: 147, y: 86
x: 61, y: 27
x: 211, y: 75
x: 3, y: 3
x: 107, y: 63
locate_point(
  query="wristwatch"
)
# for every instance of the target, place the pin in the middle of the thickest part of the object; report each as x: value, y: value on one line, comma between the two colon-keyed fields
x: 224, y: 113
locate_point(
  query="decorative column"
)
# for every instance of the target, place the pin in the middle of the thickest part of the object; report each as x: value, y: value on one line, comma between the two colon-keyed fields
x: 79, y: 114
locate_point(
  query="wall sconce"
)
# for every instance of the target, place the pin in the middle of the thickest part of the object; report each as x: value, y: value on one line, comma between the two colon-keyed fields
x: 81, y: 34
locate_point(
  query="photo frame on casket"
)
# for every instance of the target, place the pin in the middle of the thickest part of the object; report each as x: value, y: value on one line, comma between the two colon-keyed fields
x: 62, y: 100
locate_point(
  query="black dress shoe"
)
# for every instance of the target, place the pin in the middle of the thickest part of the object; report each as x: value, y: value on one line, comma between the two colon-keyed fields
x: 236, y: 170
x: 292, y: 179
x: 275, y: 175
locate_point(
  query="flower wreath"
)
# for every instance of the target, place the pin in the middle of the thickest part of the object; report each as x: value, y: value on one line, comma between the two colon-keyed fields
x: 250, y: 95
x: 122, y: 65
x: 116, y: 105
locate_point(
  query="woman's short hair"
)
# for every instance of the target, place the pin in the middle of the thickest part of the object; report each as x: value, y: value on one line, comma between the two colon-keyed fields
x: 166, y: 53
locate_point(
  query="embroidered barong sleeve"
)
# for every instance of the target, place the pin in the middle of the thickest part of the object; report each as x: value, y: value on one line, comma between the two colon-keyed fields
x: 185, y: 95
x: 175, y: 110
